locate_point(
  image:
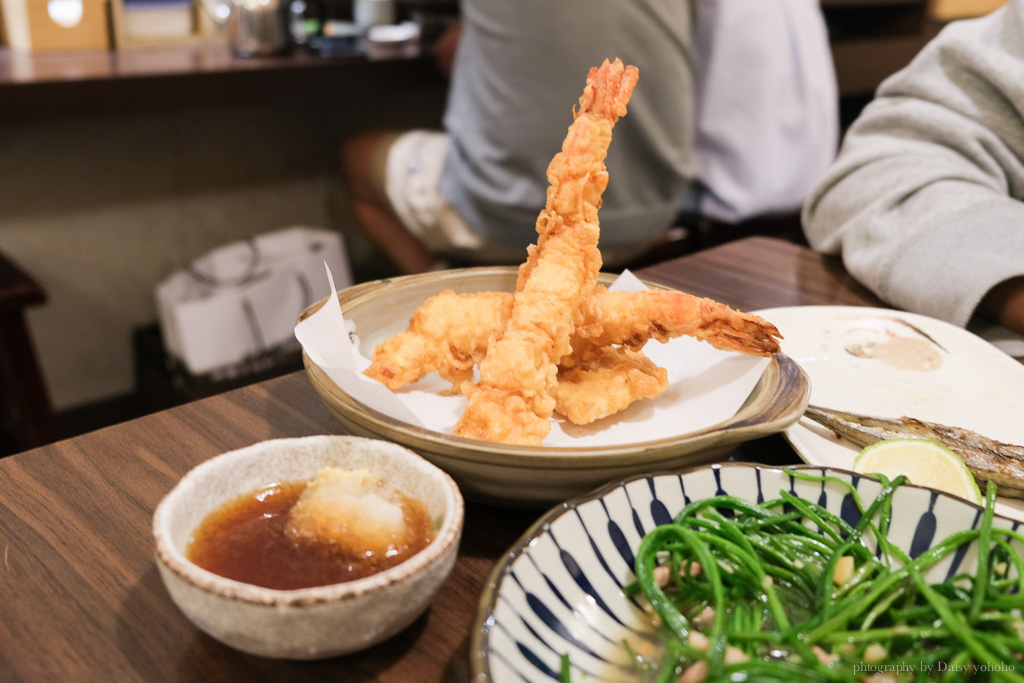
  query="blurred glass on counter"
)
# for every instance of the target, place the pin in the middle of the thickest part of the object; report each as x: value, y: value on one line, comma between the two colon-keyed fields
x: 368, y: 13
x: 306, y: 19
x: 254, y: 27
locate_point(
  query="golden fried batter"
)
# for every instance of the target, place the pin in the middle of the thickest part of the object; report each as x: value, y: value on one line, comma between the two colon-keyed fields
x: 560, y: 342
x: 512, y: 402
x: 450, y: 332
x: 614, y: 378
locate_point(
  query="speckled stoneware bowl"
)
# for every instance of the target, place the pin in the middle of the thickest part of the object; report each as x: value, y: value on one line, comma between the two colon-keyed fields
x: 311, y: 623
x: 528, y: 476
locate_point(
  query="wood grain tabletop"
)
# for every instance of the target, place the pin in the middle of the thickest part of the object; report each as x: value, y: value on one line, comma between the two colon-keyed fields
x: 80, y: 594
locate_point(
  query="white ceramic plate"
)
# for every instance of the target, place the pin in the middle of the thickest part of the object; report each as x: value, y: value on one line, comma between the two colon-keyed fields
x: 889, y: 363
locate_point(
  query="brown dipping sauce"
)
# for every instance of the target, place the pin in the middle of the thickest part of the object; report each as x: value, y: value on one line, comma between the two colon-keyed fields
x: 245, y: 540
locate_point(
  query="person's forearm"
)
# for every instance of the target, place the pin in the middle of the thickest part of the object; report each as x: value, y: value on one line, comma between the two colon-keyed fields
x: 1005, y: 304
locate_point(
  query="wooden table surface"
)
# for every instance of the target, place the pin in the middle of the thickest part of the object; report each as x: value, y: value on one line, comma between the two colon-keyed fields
x: 80, y: 597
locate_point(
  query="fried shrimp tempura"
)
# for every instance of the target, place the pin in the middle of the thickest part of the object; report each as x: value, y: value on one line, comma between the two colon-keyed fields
x: 612, y: 379
x: 560, y: 342
x: 450, y: 332
x: 634, y: 318
x: 607, y: 371
x: 513, y: 401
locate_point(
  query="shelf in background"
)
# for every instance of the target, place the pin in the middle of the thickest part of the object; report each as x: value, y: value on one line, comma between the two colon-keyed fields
x: 46, y: 86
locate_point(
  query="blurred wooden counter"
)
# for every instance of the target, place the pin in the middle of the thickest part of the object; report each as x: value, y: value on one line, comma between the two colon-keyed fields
x: 35, y: 87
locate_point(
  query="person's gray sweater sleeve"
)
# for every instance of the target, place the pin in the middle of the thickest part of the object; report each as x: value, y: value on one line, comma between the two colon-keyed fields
x: 924, y: 201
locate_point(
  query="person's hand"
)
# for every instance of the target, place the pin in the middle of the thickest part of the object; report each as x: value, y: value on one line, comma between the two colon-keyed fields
x: 444, y: 48
x: 1005, y: 304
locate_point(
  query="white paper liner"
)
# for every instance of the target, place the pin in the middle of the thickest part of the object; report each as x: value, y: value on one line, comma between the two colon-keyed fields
x: 706, y: 386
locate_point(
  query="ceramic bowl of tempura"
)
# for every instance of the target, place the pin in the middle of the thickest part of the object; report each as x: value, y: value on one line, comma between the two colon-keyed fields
x: 322, y: 621
x: 662, y: 433
x: 562, y: 588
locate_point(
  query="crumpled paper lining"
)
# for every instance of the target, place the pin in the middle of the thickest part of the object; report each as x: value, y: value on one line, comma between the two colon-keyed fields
x: 706, y: 386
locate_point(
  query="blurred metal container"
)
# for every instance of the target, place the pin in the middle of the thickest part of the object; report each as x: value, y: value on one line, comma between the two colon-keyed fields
x: 367, y: 13
x: 254, y: 27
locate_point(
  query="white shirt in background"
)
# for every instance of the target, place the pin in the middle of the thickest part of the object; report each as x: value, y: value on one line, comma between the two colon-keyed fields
x: 768, y: 108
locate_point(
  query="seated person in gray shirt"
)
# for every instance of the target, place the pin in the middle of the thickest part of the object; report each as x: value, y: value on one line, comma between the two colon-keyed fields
x: 474, y: 192
x: 925, y: 202
x: 735, y: 101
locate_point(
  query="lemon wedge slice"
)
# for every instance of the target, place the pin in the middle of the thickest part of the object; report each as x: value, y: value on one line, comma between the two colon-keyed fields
x: 925, y: 463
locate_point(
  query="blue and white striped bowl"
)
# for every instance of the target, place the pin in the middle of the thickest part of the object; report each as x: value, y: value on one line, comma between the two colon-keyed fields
x: 560, y: 588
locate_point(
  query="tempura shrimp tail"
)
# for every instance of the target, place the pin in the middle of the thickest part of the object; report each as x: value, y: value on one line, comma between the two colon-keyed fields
x: 513, y: 400
x: 577, y: 176
x: 633, y: 318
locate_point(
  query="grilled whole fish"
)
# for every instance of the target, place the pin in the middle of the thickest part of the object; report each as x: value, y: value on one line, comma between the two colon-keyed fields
x: 987, y: 459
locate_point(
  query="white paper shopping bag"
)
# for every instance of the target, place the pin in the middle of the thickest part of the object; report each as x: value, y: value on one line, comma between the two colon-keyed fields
x: 241, y: 300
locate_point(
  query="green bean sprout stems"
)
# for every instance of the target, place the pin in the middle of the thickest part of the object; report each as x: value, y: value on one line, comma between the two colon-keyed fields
x: 798, y: 594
